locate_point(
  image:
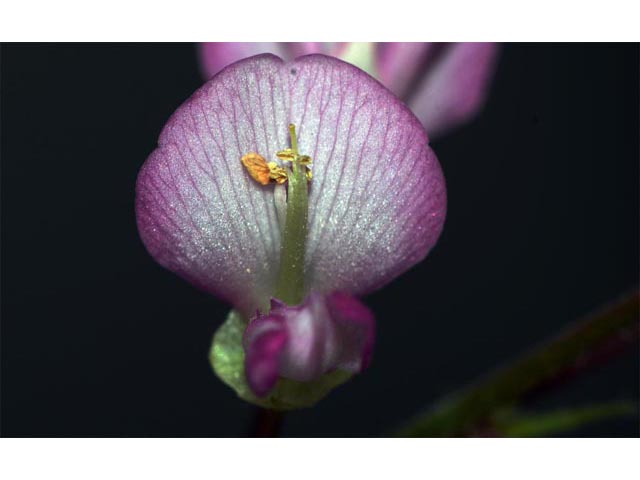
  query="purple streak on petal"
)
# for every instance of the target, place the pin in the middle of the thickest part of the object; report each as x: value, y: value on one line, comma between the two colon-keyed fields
x: 455, y: 87
x: 199, y: 214
x: 264, y: 341
x: 377, y: 202
x: 399, y: 63
x: 304, y: 342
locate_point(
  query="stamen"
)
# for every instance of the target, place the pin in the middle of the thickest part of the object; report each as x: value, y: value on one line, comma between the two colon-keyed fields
x: 276, y: 173
x: 291, y: 155
x: 265, y: 172
x: 257, y: 167
x: 290, y: 287
x: 288, y: 155
x: 304, y: 159
x: 292, y: 215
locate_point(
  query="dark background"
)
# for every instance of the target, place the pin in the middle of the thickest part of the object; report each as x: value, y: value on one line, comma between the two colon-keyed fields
x: 97, y: 339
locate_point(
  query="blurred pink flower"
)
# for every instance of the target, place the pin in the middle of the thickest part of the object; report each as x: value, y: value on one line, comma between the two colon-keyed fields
x: 444, y: 84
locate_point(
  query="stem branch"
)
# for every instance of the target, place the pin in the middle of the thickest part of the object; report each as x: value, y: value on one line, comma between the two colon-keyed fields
x: 468, y: 409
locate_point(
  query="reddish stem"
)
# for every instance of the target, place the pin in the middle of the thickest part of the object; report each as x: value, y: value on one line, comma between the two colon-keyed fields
x: 267, y: 423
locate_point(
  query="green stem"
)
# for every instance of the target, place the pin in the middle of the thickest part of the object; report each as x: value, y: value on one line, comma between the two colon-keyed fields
x: 517, y: 424
x: 471, y: 407
x: 290, y: 286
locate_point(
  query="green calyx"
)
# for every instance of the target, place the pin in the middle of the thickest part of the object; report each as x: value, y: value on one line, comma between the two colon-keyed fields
x: 227, y: 359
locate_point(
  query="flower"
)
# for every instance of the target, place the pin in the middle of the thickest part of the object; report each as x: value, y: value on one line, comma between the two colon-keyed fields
x: 278, y: 344
x: 290, y: 235
x: 445, y: 85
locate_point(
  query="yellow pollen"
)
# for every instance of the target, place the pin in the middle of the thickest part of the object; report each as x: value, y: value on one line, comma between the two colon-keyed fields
x: 261, y: 171
x: 265, y: 172
x: 276, y: 173
x: 287, y: 155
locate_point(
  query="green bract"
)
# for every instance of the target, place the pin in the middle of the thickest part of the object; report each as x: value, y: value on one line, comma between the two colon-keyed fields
x: 227, y: 359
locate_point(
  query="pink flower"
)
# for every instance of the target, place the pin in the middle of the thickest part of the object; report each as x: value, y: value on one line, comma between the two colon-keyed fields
x: 298, y: 251
x: 279, y: 344
x: 445, y: 85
